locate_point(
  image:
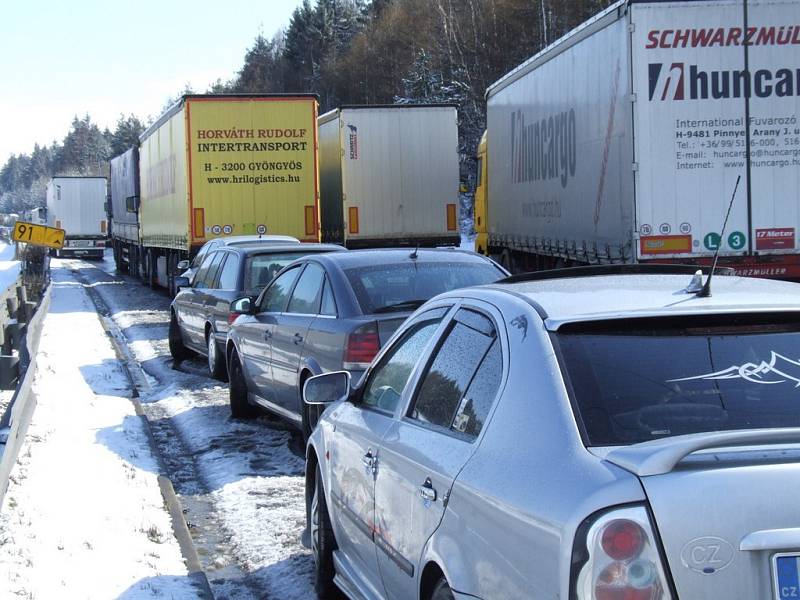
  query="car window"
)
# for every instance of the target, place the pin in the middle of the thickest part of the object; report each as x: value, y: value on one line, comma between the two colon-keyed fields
x: 475, y: 405
x: 383, y: 285
x: 646, y: 379
x: 211, y: 277
x: 306, y: 294
x: 453, y: 367
x: 229, y: 273
x: 260, y: 269
x: 328, y: 302
x: 388, y: 380
x: 203, y: 252
x: 200, y: 276
x: 277, y: 294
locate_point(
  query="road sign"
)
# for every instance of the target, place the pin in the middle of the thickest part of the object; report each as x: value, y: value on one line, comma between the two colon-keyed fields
x: 38, y: 235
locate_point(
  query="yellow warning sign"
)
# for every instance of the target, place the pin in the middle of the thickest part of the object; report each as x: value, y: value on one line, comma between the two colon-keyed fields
x: 38, y: 235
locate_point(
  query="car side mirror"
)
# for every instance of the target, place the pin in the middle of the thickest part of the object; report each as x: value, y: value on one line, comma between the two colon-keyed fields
x: 243, y: 306
x: 182, y: 282
x: 182, y: 265
x: 327, y: 388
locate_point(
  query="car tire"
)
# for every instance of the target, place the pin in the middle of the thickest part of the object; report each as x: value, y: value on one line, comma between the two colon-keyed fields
x: 240, y: 407
x: 307, y: 415
x: 177, y: 348
x: 442, y: 591
x: 216, y: 365
x: 323, y: 543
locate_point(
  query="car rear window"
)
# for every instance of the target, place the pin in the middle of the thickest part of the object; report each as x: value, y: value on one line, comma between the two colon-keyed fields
x: 380, y: 286
x: 642, y: 381
x: 262, y: 268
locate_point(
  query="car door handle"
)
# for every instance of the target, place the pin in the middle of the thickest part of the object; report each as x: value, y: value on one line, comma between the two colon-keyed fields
x: 427, y: 491
x: 298, y: 338
x: 267, y: 334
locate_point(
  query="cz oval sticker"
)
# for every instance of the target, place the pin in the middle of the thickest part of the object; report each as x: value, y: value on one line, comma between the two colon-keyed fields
x: 707, y: 555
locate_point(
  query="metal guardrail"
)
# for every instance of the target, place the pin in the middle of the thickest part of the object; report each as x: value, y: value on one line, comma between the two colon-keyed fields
x: 21, y: 322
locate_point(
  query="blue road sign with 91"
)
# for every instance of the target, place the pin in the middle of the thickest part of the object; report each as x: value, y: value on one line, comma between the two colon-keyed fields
x: 787, y: 575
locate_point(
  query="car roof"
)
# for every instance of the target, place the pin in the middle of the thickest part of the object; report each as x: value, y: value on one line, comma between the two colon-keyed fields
x: 235, y: 240
x: 283, y: 248
x: 361, y: 258
x: 601, y: 297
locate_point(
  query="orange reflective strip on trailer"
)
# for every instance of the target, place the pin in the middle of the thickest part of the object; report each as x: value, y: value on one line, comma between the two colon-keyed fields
x: 352, y: 218
x: 451, y: 217
x: 311, y: 220
x: 199, y: 223
x: 102, y: 226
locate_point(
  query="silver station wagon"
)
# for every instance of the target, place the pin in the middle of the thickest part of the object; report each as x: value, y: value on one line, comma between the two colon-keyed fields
x: 597, y: 433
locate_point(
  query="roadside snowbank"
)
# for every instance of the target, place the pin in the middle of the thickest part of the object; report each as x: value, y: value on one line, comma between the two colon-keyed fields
x: 9, y: 268
x: 84, y: 517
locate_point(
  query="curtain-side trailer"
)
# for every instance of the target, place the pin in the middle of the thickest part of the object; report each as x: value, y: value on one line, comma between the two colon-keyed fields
x: 389, y: 175
x: 77, y: 205
x: 220, y: 165
x: 124, y: 175
x: 623, y: 141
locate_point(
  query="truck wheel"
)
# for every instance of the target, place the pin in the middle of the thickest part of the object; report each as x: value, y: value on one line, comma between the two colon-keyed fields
x: 177, y: 348
x: 216, y: 364
x: 240, y: 407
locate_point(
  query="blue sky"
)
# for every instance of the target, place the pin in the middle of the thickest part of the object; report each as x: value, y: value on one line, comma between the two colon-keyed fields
x: 59, y: 58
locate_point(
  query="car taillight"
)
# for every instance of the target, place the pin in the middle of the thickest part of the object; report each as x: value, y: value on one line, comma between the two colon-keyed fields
x: 232, y: 316
x: 618, y: 559
x: 362, y: 346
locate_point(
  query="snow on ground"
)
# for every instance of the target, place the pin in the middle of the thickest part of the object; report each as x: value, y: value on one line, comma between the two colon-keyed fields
x: 84, y: 516
x: 240, y: 482
x: 9, y: 268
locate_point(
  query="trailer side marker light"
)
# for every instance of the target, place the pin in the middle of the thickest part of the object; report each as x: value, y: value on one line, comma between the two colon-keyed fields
x: 311, y: 220
x: 352, y: 219
x: 451, y: 217
x: 102, y: 226
x: 199, y: 223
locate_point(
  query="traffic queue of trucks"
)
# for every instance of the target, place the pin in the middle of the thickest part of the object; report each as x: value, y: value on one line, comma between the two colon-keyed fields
x: 226, y: 165
x: 623, y: 141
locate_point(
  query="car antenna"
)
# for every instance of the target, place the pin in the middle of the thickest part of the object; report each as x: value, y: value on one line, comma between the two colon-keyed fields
x: 705, y: 291
x: 414, y: 253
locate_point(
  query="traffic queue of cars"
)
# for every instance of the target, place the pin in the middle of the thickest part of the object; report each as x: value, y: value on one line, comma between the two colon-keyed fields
x: 593, y: 433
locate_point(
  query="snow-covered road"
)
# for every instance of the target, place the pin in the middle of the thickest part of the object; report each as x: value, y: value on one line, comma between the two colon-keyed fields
x: 241, y: 483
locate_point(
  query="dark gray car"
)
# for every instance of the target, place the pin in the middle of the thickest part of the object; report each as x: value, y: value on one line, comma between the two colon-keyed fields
x: 200, y: 314
x: 332, y: 312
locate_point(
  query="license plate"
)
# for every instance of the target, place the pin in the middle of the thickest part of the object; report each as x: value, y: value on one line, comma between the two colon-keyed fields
x: 786, y: 572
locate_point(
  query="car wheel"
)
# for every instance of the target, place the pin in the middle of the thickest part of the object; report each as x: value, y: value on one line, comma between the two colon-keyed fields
x: 216, y: 366
x: 308, y: 414
x: 442, y: 591
x: 177, y: 348
x: 322, y: 543
x: 240, y: 407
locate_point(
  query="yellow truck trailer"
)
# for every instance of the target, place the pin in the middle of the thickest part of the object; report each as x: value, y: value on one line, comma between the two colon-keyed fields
x: 222, y: 165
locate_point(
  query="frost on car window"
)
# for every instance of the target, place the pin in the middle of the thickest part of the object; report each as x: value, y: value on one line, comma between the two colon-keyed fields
x: 633, y: 387
x: 442, y: 398
x: 388, y: 380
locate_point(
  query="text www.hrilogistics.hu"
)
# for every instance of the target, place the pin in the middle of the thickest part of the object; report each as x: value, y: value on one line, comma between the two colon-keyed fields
x: 254, y: 179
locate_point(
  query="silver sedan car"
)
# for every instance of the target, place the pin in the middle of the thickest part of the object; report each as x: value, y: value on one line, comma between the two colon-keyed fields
x: 603, y: 434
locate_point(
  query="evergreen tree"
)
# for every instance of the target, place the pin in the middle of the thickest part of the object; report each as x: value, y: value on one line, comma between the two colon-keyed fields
x: 125, y: 135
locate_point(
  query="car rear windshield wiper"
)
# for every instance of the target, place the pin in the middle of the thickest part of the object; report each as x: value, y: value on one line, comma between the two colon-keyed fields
x: 405, y: 305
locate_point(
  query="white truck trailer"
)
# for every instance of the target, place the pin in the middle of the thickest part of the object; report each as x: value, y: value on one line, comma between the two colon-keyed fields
x: 124, y: 173
x: 389, y: 175
x: 623, y: 141
x: 77, y: 205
